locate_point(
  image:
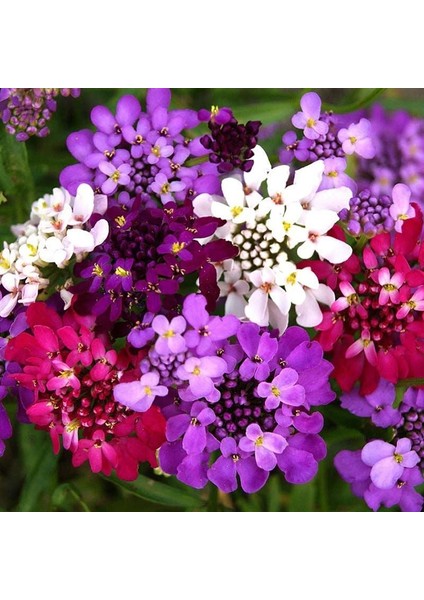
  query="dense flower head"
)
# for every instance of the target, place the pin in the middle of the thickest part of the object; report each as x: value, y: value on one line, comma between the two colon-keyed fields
x: 59, y: 230
x: 399, y: 141
x: 144, y: 260
x: 375, y: 327
x: 235, y: 389
x: 71, y: 372
x: 140, y: 152
x: 27, y: 111
x: 230, y: 144
x: 274, y: 228
x: 383, y: 474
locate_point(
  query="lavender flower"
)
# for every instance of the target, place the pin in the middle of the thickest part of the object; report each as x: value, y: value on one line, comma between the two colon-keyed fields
x: 378, y: 405
x: 26, y: 111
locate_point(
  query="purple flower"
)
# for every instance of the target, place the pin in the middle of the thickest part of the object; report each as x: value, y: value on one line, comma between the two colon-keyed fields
x: 142, y: 333
x: 334, y: 175
x: 260, y: 349
x: 232, y: 462
x: 308, y: 118
x: 139, y: 395
x: 170, y: 340
x: 264, y: 445
x: 378, y: 405
x: 388, y: 462
x: 163, y: 188
x: 159, y: 149
x: 117, y: 175
x: 191, y: 427
x: 121, y: 278
x: 282, y: 389
x: 200, y: 373
x: 357, y: 139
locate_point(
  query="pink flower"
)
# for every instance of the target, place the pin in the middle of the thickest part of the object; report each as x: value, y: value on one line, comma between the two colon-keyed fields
x: 66, y: 377
x: 100, y: 454
x: 389, y: 286
x: 401, y: 209
x: 415, y: 302
x: 363, y: 344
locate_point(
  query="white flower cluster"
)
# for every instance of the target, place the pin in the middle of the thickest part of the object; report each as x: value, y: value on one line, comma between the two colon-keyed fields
x: 57, y: 230
x: 273, y: 231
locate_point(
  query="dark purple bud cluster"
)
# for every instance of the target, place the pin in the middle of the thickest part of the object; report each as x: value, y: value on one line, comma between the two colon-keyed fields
x: 368, y: 214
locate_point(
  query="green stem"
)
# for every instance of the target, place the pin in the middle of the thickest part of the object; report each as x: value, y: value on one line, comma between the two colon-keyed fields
x: 362, y: 103
x: 199, y: 160
x: 361, y: 243
x: 322, y: 488
x: 213, y: 499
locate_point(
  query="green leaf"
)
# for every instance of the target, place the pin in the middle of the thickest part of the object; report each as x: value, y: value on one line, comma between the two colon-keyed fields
x: 159, y: 493
x: 63, y: 493
x: 266, y: 112
x: 361, y: 103
x: 274, y: 494
x: 41, y: 475
x: 303, y: 497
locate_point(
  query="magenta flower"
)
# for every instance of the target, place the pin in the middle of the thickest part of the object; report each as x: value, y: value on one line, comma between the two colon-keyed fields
x: 401, y: 209
x: 415, y: 302
x: 357, y: 139
x: 308, y: 118
x: 116, y: 176
x: 282, y: 389
x: 170, y: 340
x: 65, y: 377
x: 264, y: 445
x: 100, y: 454
x: 139, y: 395
x: 388, y: 462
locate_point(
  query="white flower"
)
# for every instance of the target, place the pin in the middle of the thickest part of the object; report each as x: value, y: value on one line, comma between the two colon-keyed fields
x: 202, y: 208
x: 85, y: 241
x: 7, y: 258
x: 29, y: 250
x: 29, y: 293
x: 57, y: 221
x: 11, y: 283
x: 234, y: 288
x: 83, y: 205
x: 269, y: 302
x: 278, y: 194
x: 294, y: 280
x: 317, y: 224
x: 309, y: 313
x: 57, y: 251
x: 283, y: 223
x: 234, y: 209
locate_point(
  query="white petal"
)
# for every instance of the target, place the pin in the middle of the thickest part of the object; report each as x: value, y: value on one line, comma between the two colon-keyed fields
x: 233, y: 191
x: 309, y: 177
x: 256, y: 278
x: 235, y: 305
x: 260, y: 169
x: 277, y: 319
x: 307, y: 277
x: 100, y: 206
x: 221, y: 211
x: 295, y: 293
x: 257, y: 308
x: 10, y: 281
x: 332, y: 249
x: 309, y: 313
x: 7, y: 304
x: 320, y: 221
x: 100, y: 231
x: 82, y: 241
x: 277, y: 179
x: 280, y: 298
x: 202, y: 205
x: 306, y: 250
x: 333, y: 199
x: 83, y: 203
x: 324, y: 294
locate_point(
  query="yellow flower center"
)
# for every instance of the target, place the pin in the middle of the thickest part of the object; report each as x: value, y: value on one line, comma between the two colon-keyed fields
x: 403, y: 217
x: 291, y: 279
x: 122, y: 272
x: 276, y: 392
x: 177, y: 247
x: 332, y: 174
x: 286, y: 225
x: 66, y: 374
x: 147, y: 390
x: 4, y: 264
x: 398, y: 457
x: 389, y: 287
x: 236, y: 210
x: 352, y: 299
x: 196, y: 371
x: 120, y: 221
x: 214, y: 110
x: 259, y: 441
x: 97, y: 270
x: 411, y: 304
x: 165, y: 188
x: 168, y: 334
x: 310, y: 122
x: 353, y: 139
x: 115, y: 176
x: 70, y: 427
x: 156, y: 150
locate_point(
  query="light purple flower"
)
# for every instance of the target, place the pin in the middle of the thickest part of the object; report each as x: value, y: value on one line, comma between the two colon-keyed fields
x: 260, y: 349
x: 401, y: 209
x: 200, y: 373
x: 139, y: 395
x: 159, y: 149
x: 142, y: 333
x: 388, y: 462
x: 282, y: 389
x: 357, y: 139
x: 334, y: 175
x: 378, y: 405
x: 192, y: 427
x: 264, y: 445
x: 308, y: 118
x: 223, y: 473
x: 170, y: 340
x: 164, y: 188
x: 117, y: 175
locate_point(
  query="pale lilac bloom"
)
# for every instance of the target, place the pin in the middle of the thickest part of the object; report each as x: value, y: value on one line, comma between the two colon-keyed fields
x: 139, y: 395
x: 388, y: 462
x: 283, y: 389
x: 264, y: 445
x: 200, y: 372
x: 308, y: 118
x: 170, y: 340
x: 116, y: 175
x: 357, y: 138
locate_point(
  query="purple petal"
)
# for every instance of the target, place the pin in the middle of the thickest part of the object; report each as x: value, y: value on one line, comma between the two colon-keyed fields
x: 410, y: 459
x: 376, y: 451
x: 223, y: 474
x: 356, y: 404
x: 265, y: 459
x: 170, y: 457
x: 248, y: 337
x: 311, y: 105
x: 194, y: 440
x: 294, y: 396
x: 350, y: 466
x: 274, y: 442
x: 176, y: 426
x: 404, y: 445
x: 193, y: 470
x: 103, y: 119
x: 298, y: 466
x: 228, y: 447
x: 252, y: 478
x: 157, y: 97
x: 128, y: 110
x: 385, y: 473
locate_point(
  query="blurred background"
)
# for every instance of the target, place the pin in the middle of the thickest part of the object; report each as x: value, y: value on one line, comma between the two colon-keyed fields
x: 31, y: 477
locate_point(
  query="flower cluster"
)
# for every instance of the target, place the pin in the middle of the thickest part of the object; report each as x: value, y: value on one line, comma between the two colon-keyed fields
x: 154, y: 309
x: 71, y: 373
x: 291, y: 221
x: 232, y: 389
x: 58, y: 230
x: 399, y: 142
x: 27, y: 111
x: 375, y: 327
